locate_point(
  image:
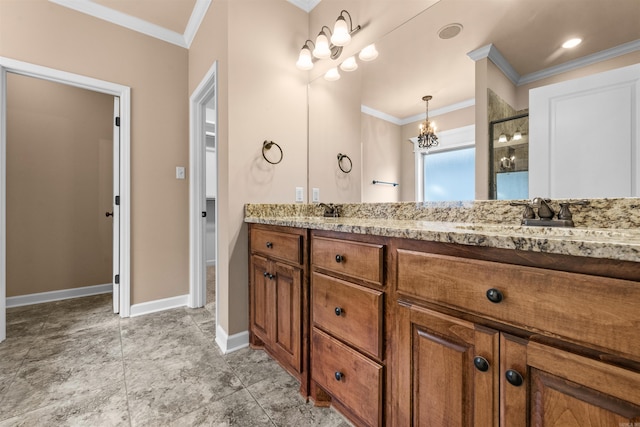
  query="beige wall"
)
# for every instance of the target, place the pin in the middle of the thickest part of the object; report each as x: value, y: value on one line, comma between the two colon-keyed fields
x: 59, y: 186
x: 334, y: 127
x: 44, y: 33
x: 261, y: 96
x: 381, y: 159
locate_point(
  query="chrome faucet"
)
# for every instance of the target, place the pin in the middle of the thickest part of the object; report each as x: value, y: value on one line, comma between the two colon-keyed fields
x: 544, y: 210
x: 330, y: 210
x: 545, y: 214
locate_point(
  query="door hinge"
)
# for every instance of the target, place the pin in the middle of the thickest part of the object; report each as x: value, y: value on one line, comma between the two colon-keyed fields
x: 117, y: 200
x: 117, y: 121
x: 117, y: 279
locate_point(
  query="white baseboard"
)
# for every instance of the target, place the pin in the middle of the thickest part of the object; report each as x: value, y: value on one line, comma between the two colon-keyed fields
x: 229, y: 344
x: 158, y: 305
x: 41, y: 297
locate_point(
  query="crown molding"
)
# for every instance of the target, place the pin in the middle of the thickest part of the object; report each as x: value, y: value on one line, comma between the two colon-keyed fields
x: 306, y: 5
x: 491, y: 52
x: 104, y: 13
x: 439, y: 111
x: 379, y: 114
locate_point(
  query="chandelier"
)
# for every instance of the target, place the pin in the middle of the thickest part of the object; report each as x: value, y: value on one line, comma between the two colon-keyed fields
x: 427, y: 137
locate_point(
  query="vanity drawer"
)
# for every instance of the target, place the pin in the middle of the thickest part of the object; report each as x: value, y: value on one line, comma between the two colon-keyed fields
x: 586, y: 309
x: 355, y: 259
x: 350, y: 312
x: 350, y: 377
x: 276, y: 244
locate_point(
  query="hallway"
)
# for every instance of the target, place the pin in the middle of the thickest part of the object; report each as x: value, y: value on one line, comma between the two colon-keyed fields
x: 73, y: 362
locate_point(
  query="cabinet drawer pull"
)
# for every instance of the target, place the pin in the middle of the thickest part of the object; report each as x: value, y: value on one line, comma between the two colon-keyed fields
x: 514, y: 377
x: 339, y: 376
x: 265, y: 274
x: 338, y: 311
x: 339, y: 258
x: 269, y: 245
x: 494, y: 295
x: 481, y: 363
x: 271, y: 276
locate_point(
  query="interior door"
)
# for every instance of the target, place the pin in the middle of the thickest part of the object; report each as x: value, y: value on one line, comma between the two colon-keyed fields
x: 116, y: 205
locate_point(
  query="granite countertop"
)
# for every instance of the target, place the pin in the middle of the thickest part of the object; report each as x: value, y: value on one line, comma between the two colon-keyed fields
x: 488, y: 223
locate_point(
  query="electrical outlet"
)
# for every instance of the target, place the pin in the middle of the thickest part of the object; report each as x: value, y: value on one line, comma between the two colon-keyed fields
x: 315, y: 195
x: 299, y: 194
x: 180, y: 172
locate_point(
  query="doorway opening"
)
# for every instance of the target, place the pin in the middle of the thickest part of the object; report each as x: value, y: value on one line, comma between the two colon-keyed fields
x: 122, y: 189
x: 203, y: 206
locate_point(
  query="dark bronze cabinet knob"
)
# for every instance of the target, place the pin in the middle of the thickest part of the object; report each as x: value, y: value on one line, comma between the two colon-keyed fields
x: 265, y: 274
x: 339, y: 376
x: 481, y: 363
x: 339, y: 258
x: 269, y: 245
x: 338, y: 311
x: 108, y: 214
x: 514, y: 377
x: 271, y: 276
x: 494, y: 295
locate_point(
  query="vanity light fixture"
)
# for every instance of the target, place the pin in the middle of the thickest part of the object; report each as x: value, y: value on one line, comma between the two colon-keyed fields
x: 349, y: 64
x: 427, y: 137
x: 502, y: 138
x: 322, y: 49
x: 517, y: 136
x: 571, y: 43
x: 332, y: 75
x: 341, y: 32
x: 369, y: 53
x: 305, y: 61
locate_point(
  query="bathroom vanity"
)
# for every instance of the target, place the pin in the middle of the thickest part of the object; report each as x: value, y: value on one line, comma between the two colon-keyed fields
x: 456, y: 315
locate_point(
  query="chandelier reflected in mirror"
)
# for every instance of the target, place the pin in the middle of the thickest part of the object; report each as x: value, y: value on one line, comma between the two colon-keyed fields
x: 427, y: 137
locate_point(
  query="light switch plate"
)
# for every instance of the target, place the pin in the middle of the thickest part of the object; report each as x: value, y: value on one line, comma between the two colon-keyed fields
x: 299, y: 194
x: 315, y: 195
x: 180, y: 172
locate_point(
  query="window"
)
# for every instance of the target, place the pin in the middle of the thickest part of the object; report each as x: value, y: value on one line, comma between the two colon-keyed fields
x: 449, y: 175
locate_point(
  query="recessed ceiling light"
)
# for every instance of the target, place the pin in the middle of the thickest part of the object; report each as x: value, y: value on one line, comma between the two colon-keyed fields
x: 571, y: 43
x: 449, y: 31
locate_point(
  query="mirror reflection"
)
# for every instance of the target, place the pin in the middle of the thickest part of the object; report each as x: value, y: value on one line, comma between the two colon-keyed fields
x: 373, y: 113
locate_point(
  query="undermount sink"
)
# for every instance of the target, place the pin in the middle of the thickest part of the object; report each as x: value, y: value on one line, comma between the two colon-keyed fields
x: 609, y: 234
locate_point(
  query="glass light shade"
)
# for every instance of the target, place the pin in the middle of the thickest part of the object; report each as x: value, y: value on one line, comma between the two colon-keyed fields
x: 369, y: 53
x: 304, y: 60
x: 349, y: 64
x: 341, y: 36
x: 517, y: 136
x: 502, y: 138
x: 332, y: 75
x: 322, y: 50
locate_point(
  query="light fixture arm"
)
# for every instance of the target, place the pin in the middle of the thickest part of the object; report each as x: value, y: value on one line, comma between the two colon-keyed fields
x: 352, y: 30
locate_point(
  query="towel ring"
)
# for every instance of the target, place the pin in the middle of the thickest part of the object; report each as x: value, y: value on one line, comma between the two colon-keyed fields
x: 266, y: 145
x: 344, y: 156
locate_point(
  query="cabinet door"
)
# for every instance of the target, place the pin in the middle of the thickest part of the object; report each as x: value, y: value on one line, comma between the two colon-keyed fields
x: 287, y: 332
x: 564, y: 389
x: 439, y: 383
x: 262, y: 295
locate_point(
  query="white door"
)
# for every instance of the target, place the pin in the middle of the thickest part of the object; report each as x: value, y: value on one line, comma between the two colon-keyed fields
x: 585, y: 136
x: 116, y: 205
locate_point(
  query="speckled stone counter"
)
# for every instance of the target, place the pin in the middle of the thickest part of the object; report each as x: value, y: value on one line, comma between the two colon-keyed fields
x: 606, y: 228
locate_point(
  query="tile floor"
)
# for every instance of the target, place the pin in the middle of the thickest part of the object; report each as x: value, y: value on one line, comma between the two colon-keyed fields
x: 73, y: 362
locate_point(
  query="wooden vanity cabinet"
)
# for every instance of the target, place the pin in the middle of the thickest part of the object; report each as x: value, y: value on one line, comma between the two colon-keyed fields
x: 486, y: 343
x: 278, y: 297
x: 347, y: 325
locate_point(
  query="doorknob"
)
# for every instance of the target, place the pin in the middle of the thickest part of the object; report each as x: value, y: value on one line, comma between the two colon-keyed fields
x: 108, y: 214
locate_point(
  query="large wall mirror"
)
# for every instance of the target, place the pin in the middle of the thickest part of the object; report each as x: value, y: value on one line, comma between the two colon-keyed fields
x: 372, y: 114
